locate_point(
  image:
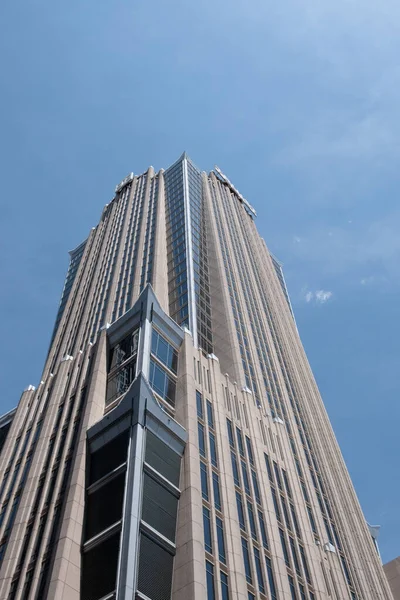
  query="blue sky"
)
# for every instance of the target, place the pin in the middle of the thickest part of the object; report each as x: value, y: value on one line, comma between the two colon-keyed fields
x: 297, y: 101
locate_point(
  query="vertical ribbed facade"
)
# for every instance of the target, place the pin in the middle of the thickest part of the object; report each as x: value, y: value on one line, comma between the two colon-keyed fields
x: 177, y: 445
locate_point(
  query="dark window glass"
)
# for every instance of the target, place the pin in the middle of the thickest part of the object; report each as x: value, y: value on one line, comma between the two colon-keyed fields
x: 230, y: 433
x: 204, y: 480
x: 302, y: 592
x: 328, y: 531
x: 305, y: 564
x: 235, y: 469
x: 278, y: 476
x: 199, y: 404
x: 210, y: 415
x: 295, y: 521
x: 263, y: 530
x: 252, y: 521
x: 260, y: 578
x: 250, y: 596
x: 294, y: 555
x: 240, y: 510
x: 207, y: 530
x: 284, y: 548
x: 246, y: 560
x: 162, y: 458
x: 269, y: 470
x: 255, y: 486
x: 164, y: 351
x: 224, y: 586
x: 287, y: 485
x: 213, y: 450
x: 292, y: 588
x: 119, y: 383
x: 246, y: 482
x: 346, y: 570
x: 202, y: 442
x: 159, y: 507
x: 335, y: 533
x: 240, y: 441
x: 210, y: 581
x: 104, y: 506
x: 276, y: 505
x: 249, y: 450
x: 217, y: 495
x: 312, y: 596
x: 221, y: 540
x: 271, y: 579
x: 99, y: 569
x: 124, y: 349
x: 286, y: 513
x: 155, y: 570
x: 161, y: 383
x: 305, y: 493
x: 311, y: 519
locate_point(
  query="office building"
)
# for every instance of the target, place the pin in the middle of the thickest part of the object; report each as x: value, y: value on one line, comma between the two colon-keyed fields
x: 177, y: 445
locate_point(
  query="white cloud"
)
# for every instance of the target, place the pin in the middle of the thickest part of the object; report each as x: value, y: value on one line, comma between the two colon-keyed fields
x: 318, y: 297
x: 323, y: 296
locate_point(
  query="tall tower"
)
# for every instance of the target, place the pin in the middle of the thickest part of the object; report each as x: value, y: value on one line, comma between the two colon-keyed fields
x: 177, y: 445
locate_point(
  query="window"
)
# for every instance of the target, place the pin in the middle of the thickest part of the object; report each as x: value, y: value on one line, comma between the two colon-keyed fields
x: 295, y: 521
x: 276, y: 505
x: 161, y: 383
x: 213, y: 450
x: 204, y: 480
x: 210, y: 581
x: 199, y: 404
x: 230, y: 433
x: 287, y: 485
x: 246, y: 482
x: 311, y: 519
x: 263, y: 530
x: 269, y: 470
x: 252, y: 521
x: 246, y: 560
x: 249, y: 450
x: 292, y: 588
x: 328, y: 531
x: 240, y: 441
x: 217, y: 495
x: 235, y: 469
x: 210, y: 415
x: 294, y: 555
x: 302, y: 592
x: 305, y: 564
x: 271, y: 579
x: 240, y: 510
x: 124, y: 350
x: 207, y: 530
x: 120, y: 381
x: 278, y: 476
x: 346, y: 571
x: 260, y: 578
x: 224, y: 586
x: 159, y: 507
x: 202, y: 443
x: 221, y: 540
x: 284, y: 547
x: 164, y: 351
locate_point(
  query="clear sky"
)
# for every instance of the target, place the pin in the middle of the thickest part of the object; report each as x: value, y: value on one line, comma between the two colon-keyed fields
x: 298, y: 101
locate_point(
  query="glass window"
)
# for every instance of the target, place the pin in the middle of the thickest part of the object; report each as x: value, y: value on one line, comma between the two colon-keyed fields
x: 164, y: 351
x: 278, y: 476
x: 224, y: 586
x: 249, y: 450
x: 246, y: 482
x: 240, y: 510
x: 302, y: 592
x: 230, y: 433
x: 235, y: 469
x: 269, y: 470
x: 263, y: 529
x: 162, y: 384
x: 124, y: 349
x: 294, y: 555
x: 250, y: 596
x: 305, y: 564
x: 217, y: 495
x: 202, y: 443
x: 292, y: 588
x: 260, y: 578
x: 255, y: 486
x: 276, y: 505
x: 204, y: 480
x: 199, y: 404
x: 240, y: 441
x: 210, y: 415
x: 221, y: 541
x: 119, y: 383
x: 207, y: 530
x: 271, y: 579
x: 295, y: 521
x: 210, y: 581
x: 246, y: 560
x: 286, y: 513
x: 252, y: 521
x: 311, y: 519
x: 213, y: 450
x: 284, y: 547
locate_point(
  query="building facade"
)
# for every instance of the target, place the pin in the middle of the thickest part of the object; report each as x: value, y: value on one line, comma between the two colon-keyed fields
x: 177, y: 445
x: 392, y: 571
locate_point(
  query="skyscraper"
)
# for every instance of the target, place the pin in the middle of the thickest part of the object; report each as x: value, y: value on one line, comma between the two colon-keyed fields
x: 177, y: 445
